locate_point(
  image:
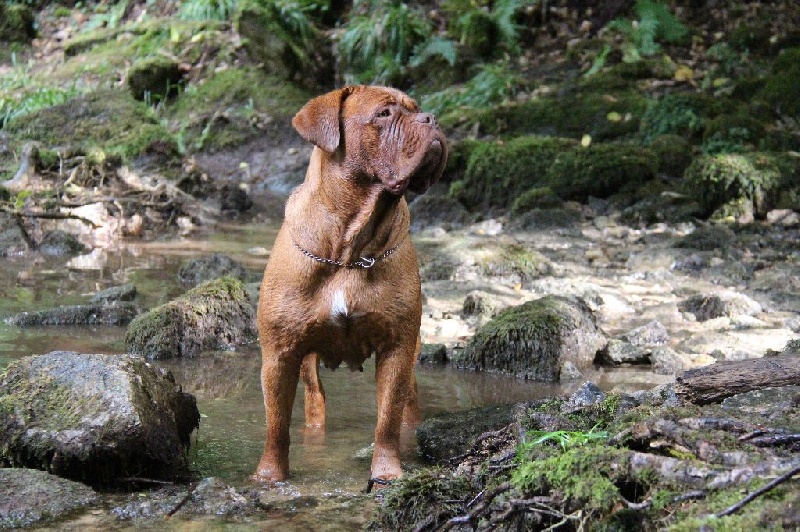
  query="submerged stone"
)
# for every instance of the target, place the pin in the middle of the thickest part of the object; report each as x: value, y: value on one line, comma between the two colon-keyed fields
x: 197, y: 271
x: 95, y: 418
x: 29, y: 497
x: 94, y: 314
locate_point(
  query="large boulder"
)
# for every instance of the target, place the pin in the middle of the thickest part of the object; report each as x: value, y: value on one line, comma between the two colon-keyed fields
x: 217, y: 314
x: 29, y: 496
x: 536, y: 339
x: 94, y: 418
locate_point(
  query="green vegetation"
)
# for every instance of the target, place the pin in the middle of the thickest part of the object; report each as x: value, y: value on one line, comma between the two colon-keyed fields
x: 566, y: 439
x: 718, y: 179
x: 656, y: 23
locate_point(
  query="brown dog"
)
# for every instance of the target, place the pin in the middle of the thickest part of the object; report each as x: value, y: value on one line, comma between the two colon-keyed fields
x: 342, y: 281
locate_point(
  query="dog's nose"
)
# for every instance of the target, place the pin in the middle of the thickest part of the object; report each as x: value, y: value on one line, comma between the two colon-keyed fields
x: 427, y: 118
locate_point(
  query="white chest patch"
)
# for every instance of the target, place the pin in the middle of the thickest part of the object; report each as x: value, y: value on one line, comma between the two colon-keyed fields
x: 339, y: 306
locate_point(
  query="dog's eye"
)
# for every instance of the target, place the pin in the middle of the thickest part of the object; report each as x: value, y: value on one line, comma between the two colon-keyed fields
x: 383, y: 113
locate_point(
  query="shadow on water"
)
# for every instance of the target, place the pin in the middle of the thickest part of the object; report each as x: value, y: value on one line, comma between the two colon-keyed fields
x: 229, y: 442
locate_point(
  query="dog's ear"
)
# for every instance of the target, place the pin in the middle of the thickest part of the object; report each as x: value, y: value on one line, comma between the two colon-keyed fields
x: 318, y: 120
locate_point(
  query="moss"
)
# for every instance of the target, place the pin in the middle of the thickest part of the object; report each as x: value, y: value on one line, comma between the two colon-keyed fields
x: 240, y: 95
x: 782, y: 87
x: 429, y: 496
x: 600, y: 170
x: 681, y: 114
x: 585, y: 475
x: 217, y: 314
x: 535, y: 198
x: 717, y: 179
x: 106, y: 121
x: 154, y: 78
x: 517, y: 262
x: 497, y: 173
x: 674, y: 154
x: 602, y: 116
x: 16, y: 23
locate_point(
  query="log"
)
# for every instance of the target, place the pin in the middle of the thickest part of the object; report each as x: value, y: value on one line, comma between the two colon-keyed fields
x: 712, y: 384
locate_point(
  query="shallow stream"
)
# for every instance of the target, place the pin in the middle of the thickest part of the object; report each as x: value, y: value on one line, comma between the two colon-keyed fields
x: 226, y: 384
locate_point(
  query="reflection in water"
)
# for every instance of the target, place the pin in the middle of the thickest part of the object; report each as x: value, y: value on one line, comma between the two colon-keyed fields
x: 230, y: 440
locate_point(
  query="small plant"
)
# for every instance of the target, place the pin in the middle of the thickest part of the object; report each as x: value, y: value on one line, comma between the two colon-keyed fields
x: 484, y: 29
x: 376, y: 47
x: 42, y: 98
x: 220, y: 10
x: 494, y: 83
x: 566, y: 439
x: 671, y: 114
x: 656, y: 23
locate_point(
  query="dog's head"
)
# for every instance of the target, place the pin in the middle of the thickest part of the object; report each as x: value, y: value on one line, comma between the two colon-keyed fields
x: 379, y: 134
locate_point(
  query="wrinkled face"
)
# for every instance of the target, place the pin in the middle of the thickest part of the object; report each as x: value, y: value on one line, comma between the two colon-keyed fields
x: 397, y: 144
x: 382, y: 137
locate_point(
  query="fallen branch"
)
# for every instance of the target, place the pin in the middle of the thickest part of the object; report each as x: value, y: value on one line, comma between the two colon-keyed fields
x: 712, y: 384
x: 182, y: 501
x: 764, y: 489
x: 47, y: 215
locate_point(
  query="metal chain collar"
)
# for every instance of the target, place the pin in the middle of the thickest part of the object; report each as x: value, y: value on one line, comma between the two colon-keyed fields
x: 362, y: 262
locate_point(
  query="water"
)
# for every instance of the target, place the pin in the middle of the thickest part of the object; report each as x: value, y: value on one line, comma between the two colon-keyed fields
x: 226, y: 384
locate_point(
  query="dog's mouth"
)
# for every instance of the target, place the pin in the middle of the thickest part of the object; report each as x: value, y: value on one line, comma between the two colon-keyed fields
x: 422, y: 175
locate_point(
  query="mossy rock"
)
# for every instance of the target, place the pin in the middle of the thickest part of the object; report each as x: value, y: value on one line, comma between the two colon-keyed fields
x: 282, y: 50
x: 782, y: 87
x: 448, y: 435
x: 514, y: 262
x: 215, y: 315
x: 222, y: 111
x: 155, y: 78
x: 94, y: 418
x: 684, y: 114
x: 106, y: 122
x: 17, y: 23
x: 534, y: 340
x: 498, y: 172
x: 714, y: 180
x: 602, y: 116
x: 535, y: 198
x: 600, y: 170
x: 674, y: 154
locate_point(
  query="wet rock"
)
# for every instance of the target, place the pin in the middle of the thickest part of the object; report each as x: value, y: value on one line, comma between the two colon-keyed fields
x: 197, y: 271
x: 652, y: 333
x: 587, y: 395
x: 708, y: 238
x: 217, y: 314
x: 622, y: 352
x: 783, y: 217
x: 95, y: 314
x: 663, y: 395
x: 59, y: 243
x: 433, y: 354
x: 562, y: 220
x: 667, y: 361
x: 427, y: 210
x: 94, y: 418
x: 448, y: 435
x: 30, y: 497
x: 511, y: 263
x: 234, y: 200
x: 723, y: 304
x: 535, y: 339
x: 569, y: 372
x: 480, y: 304
x: 126, y: 292
x: 13, y: 240
x: 765, y: 401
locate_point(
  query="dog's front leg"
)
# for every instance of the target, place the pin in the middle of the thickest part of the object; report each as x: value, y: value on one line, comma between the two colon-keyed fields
x: 279, y: 374
x: 393, y: 375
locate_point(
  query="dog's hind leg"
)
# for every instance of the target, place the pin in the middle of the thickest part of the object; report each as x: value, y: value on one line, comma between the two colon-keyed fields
x: 279, y: 375
x: 314, y: 396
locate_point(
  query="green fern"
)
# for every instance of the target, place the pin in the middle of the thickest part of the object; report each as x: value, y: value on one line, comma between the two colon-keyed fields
x: 656, y: 24
x: 494, y: 83
x: 437, y: 46
x: 221, y: 10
